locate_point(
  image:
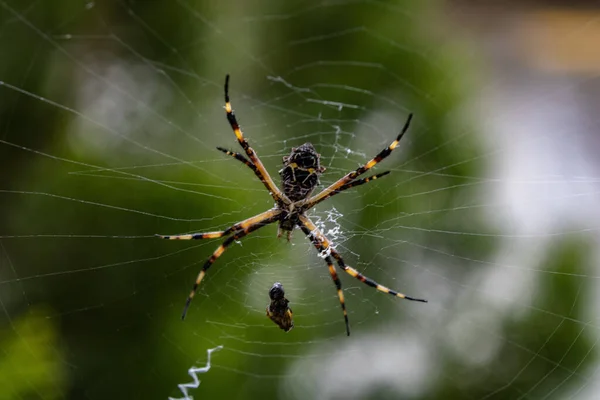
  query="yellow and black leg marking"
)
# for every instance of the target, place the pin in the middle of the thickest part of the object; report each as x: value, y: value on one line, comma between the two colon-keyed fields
x: 250, y: 165
x: 220, y: 250
x: 323, y: 245
x: 197, y: 236
x: 368, y: 281
x: 241, y: 158
x: 383, y: 153
x: 213, y: 235
x: 361, y: 181
x: 261, y: 172
x: 351, y: 185
x: 340, y: 292
x: 359, y: 171
x: 338, y: 284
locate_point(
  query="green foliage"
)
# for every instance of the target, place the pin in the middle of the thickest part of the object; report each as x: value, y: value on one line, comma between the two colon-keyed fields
x: 31, y: 361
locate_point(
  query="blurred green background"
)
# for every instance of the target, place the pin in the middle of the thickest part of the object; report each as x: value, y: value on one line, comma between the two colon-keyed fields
x: 110, y: 113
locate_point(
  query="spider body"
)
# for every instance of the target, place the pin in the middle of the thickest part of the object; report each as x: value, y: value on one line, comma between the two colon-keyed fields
x: 289, y: 220
x: 299, y: 175
x: 300, y: 172
x: 279, y: 311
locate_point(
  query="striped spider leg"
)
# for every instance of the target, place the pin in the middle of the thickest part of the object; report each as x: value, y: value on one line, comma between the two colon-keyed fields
x: 259, y: 168
x: 243, y: 225
x: 238, y: 231
x: 343, y: 183
x: 241, y: 158
x: 324, y: 247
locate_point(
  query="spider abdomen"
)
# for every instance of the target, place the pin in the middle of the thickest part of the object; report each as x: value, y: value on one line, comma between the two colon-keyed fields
x: 300, y: 172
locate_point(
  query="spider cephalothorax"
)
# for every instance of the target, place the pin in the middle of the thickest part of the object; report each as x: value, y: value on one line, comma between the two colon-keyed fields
x: 300, y: 172
x: 279, y: 311
x: 299, y: 175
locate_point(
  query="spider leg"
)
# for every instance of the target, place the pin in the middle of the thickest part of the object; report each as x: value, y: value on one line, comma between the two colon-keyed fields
x: 368, y: 281
x: 351, y: 185
x: 213, y: 235
x: 333, y: 273
x: 322, y: 244
x: 361, y: 181
x: 221, y: 249
x: 261, y: 171
x: 334, y: 276
x: 241, y: 158
x: 340, y: 293
x: 349, y: 177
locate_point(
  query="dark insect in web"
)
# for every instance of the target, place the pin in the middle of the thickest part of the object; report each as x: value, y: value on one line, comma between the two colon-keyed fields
x: 279, y: 311
x: 299, y: 175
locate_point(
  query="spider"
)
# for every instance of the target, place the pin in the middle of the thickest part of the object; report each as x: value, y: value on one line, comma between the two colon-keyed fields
x: 279, y: 311
x: 299, y: 175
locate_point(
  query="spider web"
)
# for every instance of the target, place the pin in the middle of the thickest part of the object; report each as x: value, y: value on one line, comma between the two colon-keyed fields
x: 109, y: 118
